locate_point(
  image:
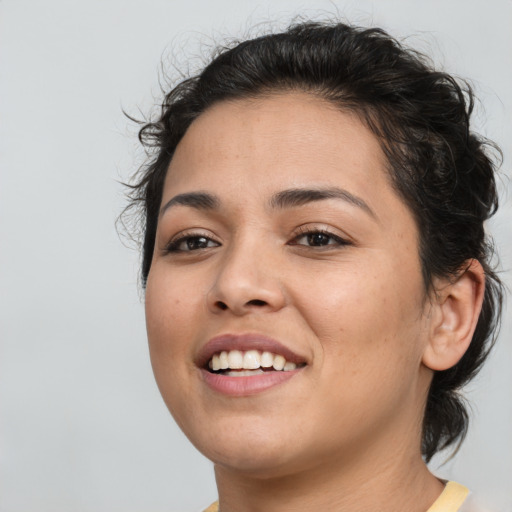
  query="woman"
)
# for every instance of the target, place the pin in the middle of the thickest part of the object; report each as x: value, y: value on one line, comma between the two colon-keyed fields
x: 318, y: 284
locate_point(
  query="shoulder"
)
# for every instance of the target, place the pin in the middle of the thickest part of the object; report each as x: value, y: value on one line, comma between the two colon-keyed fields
x: 456, y: 498
x: 451, y: 499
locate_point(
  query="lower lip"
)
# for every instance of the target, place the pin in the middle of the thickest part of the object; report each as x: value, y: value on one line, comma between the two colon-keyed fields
x: 245, y: 386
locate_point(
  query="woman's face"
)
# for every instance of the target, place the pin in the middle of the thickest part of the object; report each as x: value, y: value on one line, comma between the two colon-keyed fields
x: 281, y: 241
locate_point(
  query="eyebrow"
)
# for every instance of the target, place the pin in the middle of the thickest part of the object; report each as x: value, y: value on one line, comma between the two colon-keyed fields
x: 290, y: 198
x: 197, y: 200
x: 300, y: 196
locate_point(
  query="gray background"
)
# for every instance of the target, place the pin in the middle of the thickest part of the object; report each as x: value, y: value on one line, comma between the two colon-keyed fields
x: 82, y: 425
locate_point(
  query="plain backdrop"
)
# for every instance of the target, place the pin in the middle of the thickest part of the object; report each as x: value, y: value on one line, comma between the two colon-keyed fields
x: 82, y: 426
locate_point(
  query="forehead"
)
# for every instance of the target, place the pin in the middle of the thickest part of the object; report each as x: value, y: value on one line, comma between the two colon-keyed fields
x: 275, y: 142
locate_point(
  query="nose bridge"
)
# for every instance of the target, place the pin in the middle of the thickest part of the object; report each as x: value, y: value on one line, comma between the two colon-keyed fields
x: 247, y: 277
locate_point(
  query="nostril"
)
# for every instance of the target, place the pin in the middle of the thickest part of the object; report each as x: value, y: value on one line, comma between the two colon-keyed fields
x: 220, y: 305
x: 256, y: 302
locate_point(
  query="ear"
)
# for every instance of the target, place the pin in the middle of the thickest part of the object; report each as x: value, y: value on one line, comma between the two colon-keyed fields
x: 454, y: 315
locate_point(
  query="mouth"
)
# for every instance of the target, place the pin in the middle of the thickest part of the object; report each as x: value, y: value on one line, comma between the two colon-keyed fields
x: 236, y: 363
x: 247, y: 364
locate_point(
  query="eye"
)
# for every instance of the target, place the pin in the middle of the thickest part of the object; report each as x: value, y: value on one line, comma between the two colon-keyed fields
x: 191, y: 242
x: 318, y: 238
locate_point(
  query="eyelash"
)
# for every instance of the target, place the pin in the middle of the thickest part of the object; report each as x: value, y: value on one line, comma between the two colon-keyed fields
x: 174, y: 245
x: 309, y: 232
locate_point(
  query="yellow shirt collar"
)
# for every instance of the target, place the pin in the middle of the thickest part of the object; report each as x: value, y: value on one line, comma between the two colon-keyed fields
x: 449, y: 500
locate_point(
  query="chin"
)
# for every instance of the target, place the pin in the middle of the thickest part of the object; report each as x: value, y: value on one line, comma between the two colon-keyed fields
x: 249, y: 447
x: 262, y: 463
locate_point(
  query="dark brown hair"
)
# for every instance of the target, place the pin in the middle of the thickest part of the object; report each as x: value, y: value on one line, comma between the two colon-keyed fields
x: 444, y: 172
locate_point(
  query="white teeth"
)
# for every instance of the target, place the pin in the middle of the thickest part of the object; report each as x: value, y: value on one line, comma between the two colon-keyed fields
x: 215, y: 363
x: 252, y: 360
x: 279, y: 362
x: 267, y: 359
x: 288, y: 367
x: 247, y: 362
x: 235, y: 359
x: 223, y: 358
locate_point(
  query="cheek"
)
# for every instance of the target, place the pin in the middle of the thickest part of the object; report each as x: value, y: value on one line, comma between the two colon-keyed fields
x: 169, y: 319
x: 170, y: 325
x: 367, y: 314
x: 371, y: 345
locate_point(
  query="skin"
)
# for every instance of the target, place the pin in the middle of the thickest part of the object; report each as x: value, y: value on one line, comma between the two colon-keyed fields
x: 343, y: 433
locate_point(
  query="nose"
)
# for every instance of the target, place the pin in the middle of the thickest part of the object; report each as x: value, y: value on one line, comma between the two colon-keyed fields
x: 247, y: 281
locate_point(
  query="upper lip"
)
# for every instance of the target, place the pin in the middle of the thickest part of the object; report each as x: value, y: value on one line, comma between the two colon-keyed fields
x: 245, y: 342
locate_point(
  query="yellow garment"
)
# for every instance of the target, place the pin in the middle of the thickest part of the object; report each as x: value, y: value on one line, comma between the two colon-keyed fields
x: 450, y: 499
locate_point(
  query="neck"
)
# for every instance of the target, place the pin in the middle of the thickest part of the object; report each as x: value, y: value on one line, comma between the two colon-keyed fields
x: 378, y: 482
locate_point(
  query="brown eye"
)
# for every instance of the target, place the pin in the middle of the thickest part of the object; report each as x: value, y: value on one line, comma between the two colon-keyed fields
x: 191, y: 243
x: 318, y: 239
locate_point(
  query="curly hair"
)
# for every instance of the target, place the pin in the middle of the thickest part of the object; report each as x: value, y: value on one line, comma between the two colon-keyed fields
x: 444, y: 172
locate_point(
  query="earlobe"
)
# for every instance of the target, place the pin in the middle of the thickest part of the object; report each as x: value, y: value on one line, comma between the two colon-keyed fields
x: 455, y: 313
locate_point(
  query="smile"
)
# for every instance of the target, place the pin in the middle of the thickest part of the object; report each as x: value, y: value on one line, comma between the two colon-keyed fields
x: 241, y: 365
x: 235, y: 363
